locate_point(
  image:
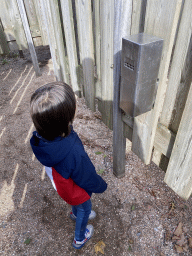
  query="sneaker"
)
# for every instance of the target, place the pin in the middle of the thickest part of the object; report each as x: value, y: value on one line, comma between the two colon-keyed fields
x: 92, y: 215
x: 88, y: 235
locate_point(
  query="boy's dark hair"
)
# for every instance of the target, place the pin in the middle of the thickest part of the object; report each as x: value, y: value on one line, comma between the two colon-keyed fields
x: 52, y: 109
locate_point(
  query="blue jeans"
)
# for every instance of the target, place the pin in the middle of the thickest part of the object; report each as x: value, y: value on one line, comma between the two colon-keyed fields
x: 82, y: 212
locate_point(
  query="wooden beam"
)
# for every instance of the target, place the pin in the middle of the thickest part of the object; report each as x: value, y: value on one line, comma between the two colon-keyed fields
x: 179, y: 172
x: 161, y: 20
x: 29, y: 37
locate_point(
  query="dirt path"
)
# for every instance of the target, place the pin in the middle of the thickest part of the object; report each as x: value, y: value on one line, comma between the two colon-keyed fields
x: 137, y: 215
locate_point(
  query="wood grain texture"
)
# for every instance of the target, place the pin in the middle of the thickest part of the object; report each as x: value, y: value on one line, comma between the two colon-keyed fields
x: 85, y: 36
x: 179, y: 172
x: 29, y: 37
x: 178, y: 85
x: 68, y: 25
x: 107, y: 65
x: 122, y: 26
x: 59, y: 40
x: 161, y: 22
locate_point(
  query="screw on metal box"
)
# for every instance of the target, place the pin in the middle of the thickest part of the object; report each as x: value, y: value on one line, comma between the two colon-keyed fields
x: 140, y: 61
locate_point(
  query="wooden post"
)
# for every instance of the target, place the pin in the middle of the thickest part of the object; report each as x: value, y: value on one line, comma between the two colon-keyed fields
x: 85, y: 36
x: 163, y: 25
x: 122, y: 23
x: 68, y: 24
x: 179, y: 172
x: 28, y: 36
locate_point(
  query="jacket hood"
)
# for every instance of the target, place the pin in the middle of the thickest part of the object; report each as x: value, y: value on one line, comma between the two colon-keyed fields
x: 50, y: 153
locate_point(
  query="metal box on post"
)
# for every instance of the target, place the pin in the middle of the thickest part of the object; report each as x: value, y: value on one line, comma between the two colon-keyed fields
x: 140, y: 61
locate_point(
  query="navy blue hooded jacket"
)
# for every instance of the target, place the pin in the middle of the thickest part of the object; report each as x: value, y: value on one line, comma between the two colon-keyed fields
x: 68, y: 166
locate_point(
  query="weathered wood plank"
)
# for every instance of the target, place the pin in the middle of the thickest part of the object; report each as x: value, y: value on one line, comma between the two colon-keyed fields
x: 12, y: 23
x: 164, y: 140
x: 68, y: 25
x: 28, y: 36
x: 85, y: 36
x: 97, y: 47
x: 107, y: 28
x: 179, y: 172
x: 138, y: 16
x: 46, y: 13
x: 4, y: 48
x: 161, y: 20
x: 59, y: 40
x: 41, y: 21
x: 177, y: 88
x: 50, y: 11
x: 32, y: 18
x: 122, y: 25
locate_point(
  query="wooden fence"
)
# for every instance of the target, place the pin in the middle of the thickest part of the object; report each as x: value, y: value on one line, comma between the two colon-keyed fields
x: 85, y: 40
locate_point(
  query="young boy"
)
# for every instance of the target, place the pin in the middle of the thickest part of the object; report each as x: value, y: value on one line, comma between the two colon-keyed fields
x: 58, y: 147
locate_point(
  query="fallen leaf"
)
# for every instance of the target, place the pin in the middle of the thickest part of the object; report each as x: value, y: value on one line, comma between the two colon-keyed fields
x: 101, y: 171
x: 178, y: 231
x: 98, y: 153
x: 178, y: 248
x: 185, y: 248
x: 99, y: 247
x: 132, y: 207
x: 190, y: 241
x: 181, y: 241
x: 104, y: 156
x: 27, y: 241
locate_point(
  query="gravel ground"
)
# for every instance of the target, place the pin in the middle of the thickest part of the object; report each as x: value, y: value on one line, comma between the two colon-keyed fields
x: 137, y: 215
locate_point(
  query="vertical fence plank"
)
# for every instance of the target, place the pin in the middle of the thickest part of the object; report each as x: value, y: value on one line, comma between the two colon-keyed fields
x: 138, y: 16
x: 161, y: 20
x: 122, y: 27
x: 12, y: 23
x: 51, y: 16
x: 51, y: 38
x: 107, y: 27
x: 182, y: 48
x: 68, y: 24
x: 28, y: 36
x: 97, y: 41
x: 59, y: 39
x: 4, y: 48
x: 85, y: 35
x: 41, y: 21
x: 32, y: 18
x: 179, y: 173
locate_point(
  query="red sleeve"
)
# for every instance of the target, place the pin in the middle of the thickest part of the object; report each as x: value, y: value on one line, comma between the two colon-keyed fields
x: 68, y: 190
